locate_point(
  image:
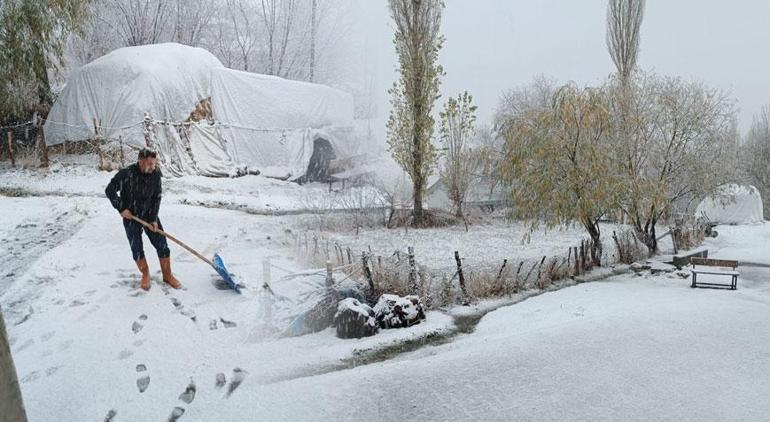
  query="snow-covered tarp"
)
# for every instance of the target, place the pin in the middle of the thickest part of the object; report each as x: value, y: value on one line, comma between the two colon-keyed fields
x: 164, y: 80
x: 267, y: 120
x: 259, y: 121
x: 734, y: 204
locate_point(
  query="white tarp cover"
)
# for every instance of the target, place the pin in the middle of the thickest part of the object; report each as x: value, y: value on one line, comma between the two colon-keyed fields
x: 735, y: 204
x: 261, y: 121
x: 195, y: 148
x: 166, y: 80
x: 271, y: 121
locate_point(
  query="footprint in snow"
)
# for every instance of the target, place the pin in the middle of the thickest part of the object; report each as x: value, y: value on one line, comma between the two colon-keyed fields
x: 226, y: 323
x: 144, y: 379
x: 176, y: 414
x: 65, y: 345
x: 125, y: 354
x: 47, y: 336
x: 221, y: 380
x: 189, y: 313
x: 177, y: 304
x: 136, y: 326
x: 110, y: 415
x: 32, y: 376
x: 189, y: 393
x: 238, y: 376
x: 24, y: 345
x: 213, y: 324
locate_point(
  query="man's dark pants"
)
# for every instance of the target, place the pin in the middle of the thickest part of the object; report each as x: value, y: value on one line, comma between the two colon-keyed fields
x: 134, y: 234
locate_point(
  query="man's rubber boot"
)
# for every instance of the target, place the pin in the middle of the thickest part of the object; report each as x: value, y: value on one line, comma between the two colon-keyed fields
x: 145, y: 270
x: 165, y: 268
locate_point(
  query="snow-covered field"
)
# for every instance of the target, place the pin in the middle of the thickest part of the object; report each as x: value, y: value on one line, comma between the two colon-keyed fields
x: 85, y: 340
x: 484, y: 246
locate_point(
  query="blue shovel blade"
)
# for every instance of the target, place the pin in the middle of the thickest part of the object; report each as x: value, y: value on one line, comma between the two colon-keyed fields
x: 222, y: 271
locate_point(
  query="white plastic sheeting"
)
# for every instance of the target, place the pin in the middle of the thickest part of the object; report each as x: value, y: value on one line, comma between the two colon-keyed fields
x: 165, y: 80
x: 270, y: 121
x: 261, y: 121
x: 735, y: 204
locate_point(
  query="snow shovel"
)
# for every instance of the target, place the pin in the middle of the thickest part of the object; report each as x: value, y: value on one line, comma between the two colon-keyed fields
x: 216, y: 263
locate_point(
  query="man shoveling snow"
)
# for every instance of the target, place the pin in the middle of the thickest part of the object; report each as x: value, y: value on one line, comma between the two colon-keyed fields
x: 140, y: 189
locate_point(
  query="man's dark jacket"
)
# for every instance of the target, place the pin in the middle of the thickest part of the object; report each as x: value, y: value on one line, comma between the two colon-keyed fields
x: 139, y: 192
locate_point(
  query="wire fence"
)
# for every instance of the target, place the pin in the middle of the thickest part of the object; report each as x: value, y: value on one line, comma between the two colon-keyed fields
x: 402, y: 272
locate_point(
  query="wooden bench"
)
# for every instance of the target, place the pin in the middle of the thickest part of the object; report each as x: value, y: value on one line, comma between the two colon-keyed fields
x: 714, y: 267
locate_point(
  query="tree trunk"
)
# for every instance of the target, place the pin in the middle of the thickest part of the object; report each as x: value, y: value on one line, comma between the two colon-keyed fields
x: 596, y: 242
x: 418, y: 215
x: 648, y: 236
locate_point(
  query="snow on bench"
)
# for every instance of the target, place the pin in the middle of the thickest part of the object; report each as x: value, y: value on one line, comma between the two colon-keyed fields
x: 714, y: 267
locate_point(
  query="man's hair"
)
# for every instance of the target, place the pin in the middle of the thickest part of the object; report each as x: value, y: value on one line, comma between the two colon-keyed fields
x: 146, y: 153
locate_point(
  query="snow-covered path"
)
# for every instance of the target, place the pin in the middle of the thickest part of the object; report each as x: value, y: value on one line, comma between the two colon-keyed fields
x: 625, y: 349
x: 86, y: 340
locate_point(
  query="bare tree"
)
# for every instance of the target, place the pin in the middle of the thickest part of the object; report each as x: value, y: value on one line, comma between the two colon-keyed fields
x: 191, y: 18
x: 141, y: 22
x: 756, y: 154
x: 241, y: 19
x: 313, y: 34
x: 410, y: 125
x: 678, y: 126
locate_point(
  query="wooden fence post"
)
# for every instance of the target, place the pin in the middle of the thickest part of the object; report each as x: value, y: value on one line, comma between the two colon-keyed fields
x: 97, y: 138
x: 517, y: 282
x: 415, y: 289
x: 500, y: 273
x: 368, y: 275
x: 149, y: 131
x: 122, y: 155
x: 539, y: 272
x: 266, y: 271
x: 42, y: 147
x: 460, y: 274
x: 329, y: 274
x: 10, y: 148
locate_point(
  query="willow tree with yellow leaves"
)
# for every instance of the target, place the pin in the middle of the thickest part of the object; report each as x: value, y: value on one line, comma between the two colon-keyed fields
x: 557, y: 161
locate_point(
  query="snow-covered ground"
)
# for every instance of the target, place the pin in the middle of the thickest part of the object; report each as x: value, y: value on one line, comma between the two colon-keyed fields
x: 79, y: 327
x: 484, y: 246
x: 77, y: 176
x: 747, y: 243
x: 85, y: 339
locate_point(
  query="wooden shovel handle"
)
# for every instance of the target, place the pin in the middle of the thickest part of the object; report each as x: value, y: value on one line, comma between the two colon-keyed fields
x: 177, y: 241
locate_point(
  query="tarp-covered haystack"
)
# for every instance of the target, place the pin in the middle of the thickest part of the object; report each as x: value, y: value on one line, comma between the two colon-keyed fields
x: 206, y: 119
x: 734, y: 204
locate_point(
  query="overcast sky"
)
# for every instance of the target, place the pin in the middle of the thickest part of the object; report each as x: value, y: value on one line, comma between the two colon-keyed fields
x: 493, y: 45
